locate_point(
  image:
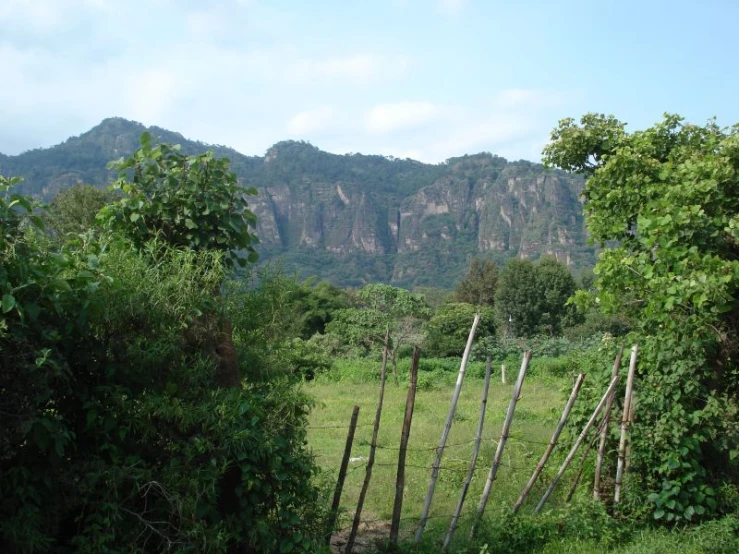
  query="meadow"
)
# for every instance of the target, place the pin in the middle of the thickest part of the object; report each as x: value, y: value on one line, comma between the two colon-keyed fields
x: 580, y: 526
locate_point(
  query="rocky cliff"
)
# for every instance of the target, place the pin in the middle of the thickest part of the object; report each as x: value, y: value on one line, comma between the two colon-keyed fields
x: 356, y: 218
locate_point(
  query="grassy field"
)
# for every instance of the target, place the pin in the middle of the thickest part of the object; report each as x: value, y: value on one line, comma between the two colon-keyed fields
x: 578, y: 528
x: 536, y: 416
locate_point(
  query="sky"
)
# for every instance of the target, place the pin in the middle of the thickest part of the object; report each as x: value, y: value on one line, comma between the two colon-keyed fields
x: 421, y: 79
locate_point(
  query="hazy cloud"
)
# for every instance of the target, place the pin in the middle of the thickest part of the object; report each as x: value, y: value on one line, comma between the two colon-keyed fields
x: 403, y: 115
x: 312, y: 121
x: 450, y: 7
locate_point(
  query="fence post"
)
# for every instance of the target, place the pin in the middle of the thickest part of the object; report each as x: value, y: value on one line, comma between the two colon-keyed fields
x: 625, y: 424
x: 576, y: 446
x: 552, y: 442
x: 501, y: 444
x: 604, y: 433
x: 581, y: 469
x: 373, y: 448
x: 502, y: 373
x: 445, y: 432
x: 473, y: 461
x: 342, y: 474
x: 404, y: 436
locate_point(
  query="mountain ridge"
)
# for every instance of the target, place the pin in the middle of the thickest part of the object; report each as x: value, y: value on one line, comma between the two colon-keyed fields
x: 356, y: 218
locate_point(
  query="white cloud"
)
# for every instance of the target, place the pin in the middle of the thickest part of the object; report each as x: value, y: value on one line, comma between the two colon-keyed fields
x: 359, y: 69
x: 386, y: 118
x: 450, y: 7
x: 312, y: 121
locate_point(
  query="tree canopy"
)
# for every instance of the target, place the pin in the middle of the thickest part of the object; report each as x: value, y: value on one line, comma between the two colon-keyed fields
x: 478, y: 286
x: 665, y: 203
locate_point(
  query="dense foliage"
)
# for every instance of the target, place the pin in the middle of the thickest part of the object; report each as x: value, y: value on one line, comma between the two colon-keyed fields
x: 448, y: 329
x: 669, y: 196
x: 188, y: 201
x: 531, y: 298
x: 478, y: 286
x: 115, y: 434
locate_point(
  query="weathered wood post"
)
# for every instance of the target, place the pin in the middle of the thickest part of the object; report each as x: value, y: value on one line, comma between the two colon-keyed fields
x: 576, y: 446
x: 502, y: 374
x: 342, y: 474
x: 625, y: 424
x: 404, y: 436
x: 583, y: 459
x: 445, y: 432
x: 552, y: 442
x: 501, y: 443
x: 604, y: 433
x: 473, y: 461
x: 373, y: 448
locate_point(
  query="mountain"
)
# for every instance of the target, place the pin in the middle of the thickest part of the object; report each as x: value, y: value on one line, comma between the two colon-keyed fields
x: 359, y: 218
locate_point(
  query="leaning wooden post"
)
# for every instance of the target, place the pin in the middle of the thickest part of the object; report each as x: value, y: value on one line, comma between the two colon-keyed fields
x: 604, y: 433
x: 627, y: 461
x: 501, y: 443
x: 342, y: 474
x: 584, y: 458
x: 404, y: 435
x: 576, y: 446
x: 373, y: 448
x: 445, y: 432
x: 552, y: 442
x: 473, y: 461
x: 625, y: 424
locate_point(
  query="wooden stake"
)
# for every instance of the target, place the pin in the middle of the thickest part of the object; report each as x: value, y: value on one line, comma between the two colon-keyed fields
x: 604, y: 433
x: 552, y: 442
x: 584, y: 457
x: 576, y: 446
x: 501, y: 443
x: 404, y: 436
x: 342, y: 474
x: 627, y: 461
x: 473, y: 461
x: 502, y: 374
x: 445, y: 432
x: 625, y: 424
x: 373, y: 448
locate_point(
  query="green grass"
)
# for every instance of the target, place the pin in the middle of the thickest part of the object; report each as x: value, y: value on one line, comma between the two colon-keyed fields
x: 579, y: 528
x: 536, y: 417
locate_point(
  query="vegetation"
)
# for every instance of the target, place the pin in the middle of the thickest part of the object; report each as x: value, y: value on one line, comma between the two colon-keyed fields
x: 670, y: 196
x: 159, y: 392
x: 308, y: 227
x: 383, y: 316
x: 531, y: 298
x: 478, y: 286
x: 118, y: 430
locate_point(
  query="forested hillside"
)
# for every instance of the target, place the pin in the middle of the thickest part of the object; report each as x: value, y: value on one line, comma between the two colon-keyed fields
x: 359, y: 218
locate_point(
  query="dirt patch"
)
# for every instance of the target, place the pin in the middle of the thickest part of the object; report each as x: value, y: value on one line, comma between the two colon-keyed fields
x: 368, y: 536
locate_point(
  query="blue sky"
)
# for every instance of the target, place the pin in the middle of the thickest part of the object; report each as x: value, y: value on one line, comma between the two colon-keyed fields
x: 426, y: 79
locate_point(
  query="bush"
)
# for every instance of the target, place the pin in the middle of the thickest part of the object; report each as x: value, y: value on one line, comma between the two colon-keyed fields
x: 115, y: 436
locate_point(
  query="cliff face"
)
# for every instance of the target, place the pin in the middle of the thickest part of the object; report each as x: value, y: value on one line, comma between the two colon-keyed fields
x: 356, y: 218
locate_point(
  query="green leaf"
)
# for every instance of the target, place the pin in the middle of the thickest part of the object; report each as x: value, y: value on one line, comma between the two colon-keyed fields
x: 8, y: 303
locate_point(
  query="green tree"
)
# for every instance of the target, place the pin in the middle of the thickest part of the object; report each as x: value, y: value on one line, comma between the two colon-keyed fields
x: 556, y: 286
x: 478, y: 286
x: 189, y: 201
x: 74, y: 210
x: 382, y: 310
x: 668, y: 198
x: 518, y: 300
x: 317, y: 304
x: 449, y: 327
